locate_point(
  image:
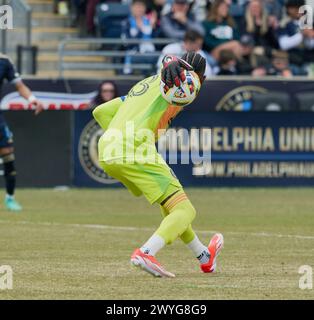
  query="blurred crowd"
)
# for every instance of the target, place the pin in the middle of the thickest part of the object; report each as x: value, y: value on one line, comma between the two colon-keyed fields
x: 237, y: 37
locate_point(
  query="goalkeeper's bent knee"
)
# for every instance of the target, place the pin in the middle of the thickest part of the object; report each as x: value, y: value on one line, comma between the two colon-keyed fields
x: 188, y: 235
x: 181, y: 214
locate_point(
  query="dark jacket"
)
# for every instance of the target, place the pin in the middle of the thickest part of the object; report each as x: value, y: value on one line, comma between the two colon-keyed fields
x: 171, y: 28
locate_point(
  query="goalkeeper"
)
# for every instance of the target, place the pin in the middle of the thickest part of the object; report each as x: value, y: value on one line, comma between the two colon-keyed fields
x: 142, y: 109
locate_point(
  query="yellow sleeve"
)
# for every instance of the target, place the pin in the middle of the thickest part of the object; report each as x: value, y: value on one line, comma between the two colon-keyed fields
x: 105, y: 112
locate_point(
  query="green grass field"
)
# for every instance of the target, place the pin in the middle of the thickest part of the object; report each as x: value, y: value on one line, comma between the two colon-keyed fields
x: 76, y: 244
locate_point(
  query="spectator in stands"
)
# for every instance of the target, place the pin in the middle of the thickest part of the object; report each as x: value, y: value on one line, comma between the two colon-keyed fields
x: 61, y: 7
x: 227, y: 63
x: 107, y: 90
x: 155, y: 10
x: 245, y: 64
x: 280, y: 64
x: 179, y: 20
x: 90, y: 14
x: 200, y: 8
x: 221, y: 32
x: 259, y: 71
x: 78, y: 11
x: 299, y: 43
x: 138, y: 26
x: 193, y: 41
x: 259, y: 25
x: 254, y: 59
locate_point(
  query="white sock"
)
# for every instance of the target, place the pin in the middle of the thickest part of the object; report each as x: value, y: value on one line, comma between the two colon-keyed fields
x: 200, y: 251
x: 153, y: 245
x: 9, y: 196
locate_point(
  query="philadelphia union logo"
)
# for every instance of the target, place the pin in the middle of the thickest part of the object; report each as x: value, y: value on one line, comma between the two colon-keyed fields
x: 88, y: 153
x: 239, y: 99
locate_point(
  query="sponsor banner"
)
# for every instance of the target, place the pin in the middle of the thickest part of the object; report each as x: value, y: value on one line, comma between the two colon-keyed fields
x: 216, y: 95
x: 247, y: 149
x: 50, y: 100
x: 57, y: 94
x: 252, y: 149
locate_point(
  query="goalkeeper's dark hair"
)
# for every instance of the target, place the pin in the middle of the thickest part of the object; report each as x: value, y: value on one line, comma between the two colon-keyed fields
x: 197, y: 62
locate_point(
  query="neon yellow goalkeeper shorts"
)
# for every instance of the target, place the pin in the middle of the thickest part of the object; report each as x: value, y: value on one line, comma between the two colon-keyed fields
x: 156, y: 181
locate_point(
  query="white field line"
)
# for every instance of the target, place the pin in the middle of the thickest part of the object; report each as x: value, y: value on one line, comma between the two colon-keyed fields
x: 123, y: 228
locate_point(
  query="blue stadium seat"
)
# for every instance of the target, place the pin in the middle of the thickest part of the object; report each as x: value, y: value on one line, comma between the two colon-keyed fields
x: 237, y: 10
x: 109, y: 17
x: 305, y: 101
x: 271, y: 101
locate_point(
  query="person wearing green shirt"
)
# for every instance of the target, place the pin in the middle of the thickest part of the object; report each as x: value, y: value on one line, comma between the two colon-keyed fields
x: 221, y: 32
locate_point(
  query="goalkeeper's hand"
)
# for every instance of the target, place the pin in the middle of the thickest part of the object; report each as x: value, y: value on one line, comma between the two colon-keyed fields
x: 173, y: 70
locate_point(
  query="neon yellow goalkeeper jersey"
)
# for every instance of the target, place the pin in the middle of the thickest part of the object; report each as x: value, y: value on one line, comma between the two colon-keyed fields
x: 143, y: 108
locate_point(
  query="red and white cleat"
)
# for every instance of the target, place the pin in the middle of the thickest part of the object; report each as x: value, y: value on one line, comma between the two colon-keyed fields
x: 149, y: 264
x: 214, y: 248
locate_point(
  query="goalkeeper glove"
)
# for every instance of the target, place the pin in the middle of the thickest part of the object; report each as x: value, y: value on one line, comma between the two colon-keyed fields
x: 173, y: 70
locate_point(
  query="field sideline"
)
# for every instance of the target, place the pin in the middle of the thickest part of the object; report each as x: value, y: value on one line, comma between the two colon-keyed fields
x: 76, y: 244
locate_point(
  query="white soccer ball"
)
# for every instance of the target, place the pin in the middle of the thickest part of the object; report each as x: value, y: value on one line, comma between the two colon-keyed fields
x: 185, y: 93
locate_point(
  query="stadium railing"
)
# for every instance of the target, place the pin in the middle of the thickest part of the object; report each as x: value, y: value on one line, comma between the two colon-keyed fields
x: 113, y: 52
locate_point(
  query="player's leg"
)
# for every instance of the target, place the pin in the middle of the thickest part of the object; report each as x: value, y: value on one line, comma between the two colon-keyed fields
x: 123, y: 173
x: 7, y: 155
x: 158, y: 184
x: 118, y: 172
x: 192, y: 241
x: 178, y: 215
x: 8, y: 158
x: 205, y: 255
x: 177, y: 223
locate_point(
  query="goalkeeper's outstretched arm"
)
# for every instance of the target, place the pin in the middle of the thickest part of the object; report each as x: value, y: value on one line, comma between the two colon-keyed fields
x: 105, y: 112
